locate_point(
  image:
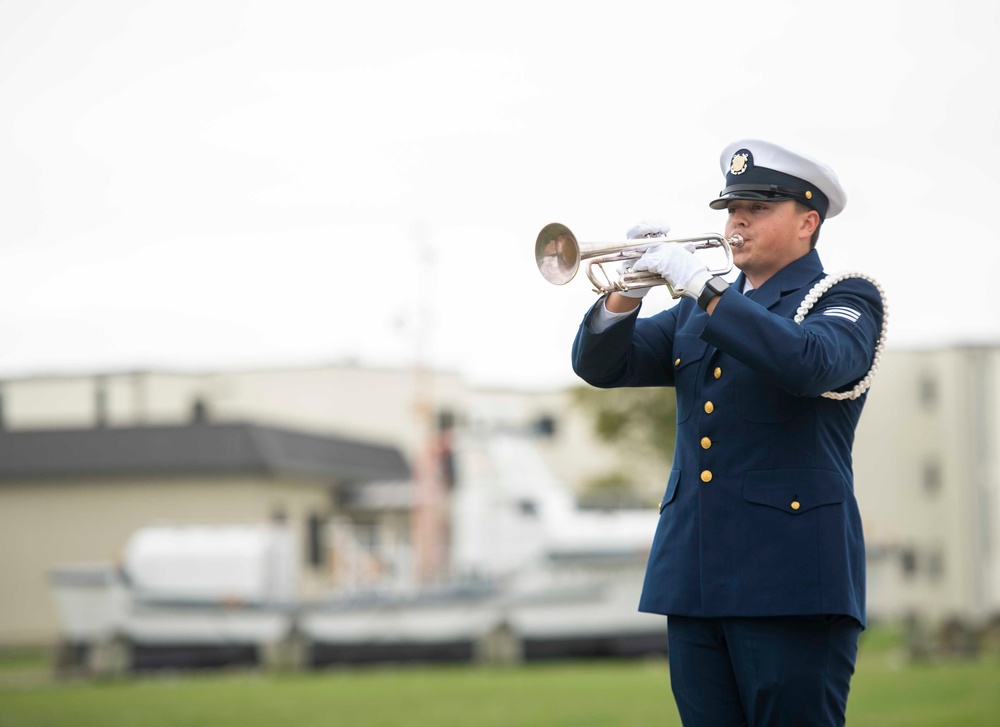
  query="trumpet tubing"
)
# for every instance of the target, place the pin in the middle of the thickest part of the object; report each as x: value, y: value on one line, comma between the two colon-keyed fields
x: 559, y: 254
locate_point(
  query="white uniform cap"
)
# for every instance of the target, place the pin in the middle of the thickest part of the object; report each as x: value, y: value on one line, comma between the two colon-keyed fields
x: 756, y: 169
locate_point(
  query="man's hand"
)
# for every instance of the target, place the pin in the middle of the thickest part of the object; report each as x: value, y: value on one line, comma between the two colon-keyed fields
x: 678, y: 265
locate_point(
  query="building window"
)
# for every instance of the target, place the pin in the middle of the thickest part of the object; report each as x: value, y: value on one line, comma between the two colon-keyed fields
x: 935, y: 564
x: 931, y: 477
x: 314, y: 541
x: 199, y: 411
x: 908, y: 562
x: 445, y: 420
x: 101, y: 402
x: 545, y: 426
x: 928, y: 390
x: 367, y: 536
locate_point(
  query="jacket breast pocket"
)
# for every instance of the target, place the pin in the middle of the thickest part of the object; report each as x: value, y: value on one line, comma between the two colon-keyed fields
x: 688, y: 352
x: 671, y: 493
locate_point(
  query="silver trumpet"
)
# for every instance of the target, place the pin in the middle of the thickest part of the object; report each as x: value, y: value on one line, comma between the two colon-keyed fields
x: 558, y: 256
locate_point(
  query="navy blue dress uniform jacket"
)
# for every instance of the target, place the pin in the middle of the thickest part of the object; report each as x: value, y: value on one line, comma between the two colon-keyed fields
x: 759, y: 516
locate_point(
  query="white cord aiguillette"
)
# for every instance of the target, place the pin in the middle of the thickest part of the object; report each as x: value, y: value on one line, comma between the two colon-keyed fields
x: 815, y: 294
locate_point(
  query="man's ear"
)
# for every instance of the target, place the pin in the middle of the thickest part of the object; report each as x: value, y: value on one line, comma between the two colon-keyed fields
x: 810, y: 221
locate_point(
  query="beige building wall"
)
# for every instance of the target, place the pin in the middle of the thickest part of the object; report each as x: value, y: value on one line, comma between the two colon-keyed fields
x: 926, y: 464
x: 125, y: 399
x: 49, y: 523
x: 49, y: 402
x: 989, y: 503
x: 382, y: 405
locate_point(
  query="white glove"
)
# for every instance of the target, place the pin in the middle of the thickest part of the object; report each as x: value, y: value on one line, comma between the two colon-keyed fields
x: 649, y: 229
x: 685, y: 273
x: 643, y: 230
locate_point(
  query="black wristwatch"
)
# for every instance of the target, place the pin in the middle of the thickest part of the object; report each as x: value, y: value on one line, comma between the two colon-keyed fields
x: 715, y: 286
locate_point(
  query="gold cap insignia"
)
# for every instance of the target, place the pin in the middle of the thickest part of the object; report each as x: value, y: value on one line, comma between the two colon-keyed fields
x: 740, y: 162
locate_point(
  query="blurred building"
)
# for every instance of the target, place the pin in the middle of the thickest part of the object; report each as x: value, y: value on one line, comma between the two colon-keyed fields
x: 927, y: 463
x: 356, y: 462
x: 401, y: 407
x: 360, y: 463
x: 77, y: 495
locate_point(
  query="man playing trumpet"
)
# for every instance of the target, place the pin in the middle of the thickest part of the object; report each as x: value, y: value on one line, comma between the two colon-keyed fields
x: 758, y: 559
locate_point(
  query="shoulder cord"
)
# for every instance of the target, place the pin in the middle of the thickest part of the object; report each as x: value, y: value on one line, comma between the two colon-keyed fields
x: 815, y: 294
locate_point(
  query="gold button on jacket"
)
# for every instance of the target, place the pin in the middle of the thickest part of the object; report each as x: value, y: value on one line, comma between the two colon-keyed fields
x: 709, y: 407
x: 706, y: 442
x: 706, y: 476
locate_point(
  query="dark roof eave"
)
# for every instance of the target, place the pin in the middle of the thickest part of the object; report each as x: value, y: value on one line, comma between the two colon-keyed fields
x: 197, y: 449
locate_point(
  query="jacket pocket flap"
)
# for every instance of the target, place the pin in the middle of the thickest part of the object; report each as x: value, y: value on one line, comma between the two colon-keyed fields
x: 794, y: 491
x: 688, y: 349
x: 671, y: 493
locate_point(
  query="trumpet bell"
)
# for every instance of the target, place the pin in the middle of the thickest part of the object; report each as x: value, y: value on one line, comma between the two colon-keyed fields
x: 557, y: 253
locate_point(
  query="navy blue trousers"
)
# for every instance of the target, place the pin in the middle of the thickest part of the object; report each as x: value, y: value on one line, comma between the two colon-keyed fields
x: 762, y: 672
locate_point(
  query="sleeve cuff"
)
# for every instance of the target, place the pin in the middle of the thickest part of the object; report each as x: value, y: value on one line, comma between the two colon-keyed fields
x: 601, y: 319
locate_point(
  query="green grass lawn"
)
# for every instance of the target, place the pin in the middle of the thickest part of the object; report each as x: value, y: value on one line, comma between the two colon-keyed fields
x: 885, y: 692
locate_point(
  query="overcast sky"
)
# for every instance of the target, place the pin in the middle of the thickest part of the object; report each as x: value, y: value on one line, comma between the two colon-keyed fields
x: 220, y: 184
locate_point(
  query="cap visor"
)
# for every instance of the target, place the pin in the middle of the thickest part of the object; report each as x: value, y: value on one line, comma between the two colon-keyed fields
x: 722, y: 202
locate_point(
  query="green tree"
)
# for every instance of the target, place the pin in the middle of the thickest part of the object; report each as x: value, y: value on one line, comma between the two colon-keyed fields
x: 640, y: 423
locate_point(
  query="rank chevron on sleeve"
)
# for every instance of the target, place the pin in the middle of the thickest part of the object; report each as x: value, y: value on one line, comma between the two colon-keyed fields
x: 843, y: 312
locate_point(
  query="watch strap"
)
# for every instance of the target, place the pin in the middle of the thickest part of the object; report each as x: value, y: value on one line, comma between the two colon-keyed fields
x: 714, y: 287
